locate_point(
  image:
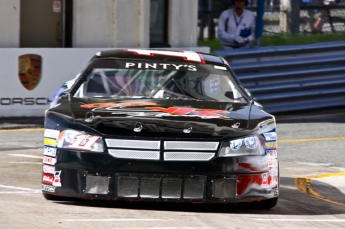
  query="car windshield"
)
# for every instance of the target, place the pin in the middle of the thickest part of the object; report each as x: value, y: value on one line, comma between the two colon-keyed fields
x: 158, y: 84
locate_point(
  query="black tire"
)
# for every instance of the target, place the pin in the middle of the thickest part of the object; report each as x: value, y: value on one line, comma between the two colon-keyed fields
x: 263, y: 204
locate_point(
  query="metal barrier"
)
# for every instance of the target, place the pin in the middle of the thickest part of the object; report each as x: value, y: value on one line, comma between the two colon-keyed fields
x: 292, y: 78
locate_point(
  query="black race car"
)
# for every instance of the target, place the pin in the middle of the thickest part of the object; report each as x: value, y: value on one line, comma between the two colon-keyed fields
x: 159, y: 125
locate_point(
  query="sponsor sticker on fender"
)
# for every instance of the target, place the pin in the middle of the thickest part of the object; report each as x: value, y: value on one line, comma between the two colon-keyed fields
x: 49, y: 133
x: 48, y: 169
x: 57, y: 179
x: 274, y: 171
x: 272, y: 153
x: 270, y: 136
x: 272, y: 163
x: 50, y: 142
x: 48, y: 179
x: 49, y: 160
x: 49, y: 151
x: 264, y: 182
x: 271, y: 145
x: 48, y: 188
x: 274, y: 181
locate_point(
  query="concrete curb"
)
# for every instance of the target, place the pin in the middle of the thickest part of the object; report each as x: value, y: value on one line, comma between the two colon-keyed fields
x: 324, y: 187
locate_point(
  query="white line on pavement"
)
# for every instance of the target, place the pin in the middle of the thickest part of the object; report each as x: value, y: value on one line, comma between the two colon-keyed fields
x: 288, y: 187
x: 314, y: 164
x: 304, y: 220
x: 25, y: 155
x: 22, y: 162
x: 111, y: 220
x: 21, y: 192
x: 20, y: 188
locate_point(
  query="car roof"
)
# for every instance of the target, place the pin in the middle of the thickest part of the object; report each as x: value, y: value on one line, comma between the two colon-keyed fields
x: 160, y: 55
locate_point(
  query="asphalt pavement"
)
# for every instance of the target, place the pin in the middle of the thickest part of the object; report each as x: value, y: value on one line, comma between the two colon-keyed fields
x: 21, y: 122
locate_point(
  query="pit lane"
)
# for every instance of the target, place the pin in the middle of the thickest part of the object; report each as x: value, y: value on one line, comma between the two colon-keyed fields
x: 311, y: 147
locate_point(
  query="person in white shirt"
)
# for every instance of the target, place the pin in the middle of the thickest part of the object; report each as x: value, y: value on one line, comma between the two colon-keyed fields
x: 236, y: 26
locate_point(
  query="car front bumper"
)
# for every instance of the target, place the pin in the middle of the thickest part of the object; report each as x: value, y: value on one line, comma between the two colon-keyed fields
x: 101, y: 176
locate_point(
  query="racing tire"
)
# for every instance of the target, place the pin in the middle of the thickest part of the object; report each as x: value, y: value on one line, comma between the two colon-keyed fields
x: 263, y: 204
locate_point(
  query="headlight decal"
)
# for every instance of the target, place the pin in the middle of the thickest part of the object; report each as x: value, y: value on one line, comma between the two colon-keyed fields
x: 235, y: 144
x: 251, y: 142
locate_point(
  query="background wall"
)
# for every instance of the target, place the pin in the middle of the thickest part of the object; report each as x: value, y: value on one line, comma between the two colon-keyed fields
x: 183, y: 18
x: 109, y: 23
x: 9, y: 23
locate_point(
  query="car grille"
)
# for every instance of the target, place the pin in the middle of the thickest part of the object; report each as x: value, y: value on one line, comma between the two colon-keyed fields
x: 134, y: 144
x: 165, y: 150
x: 160, y: 187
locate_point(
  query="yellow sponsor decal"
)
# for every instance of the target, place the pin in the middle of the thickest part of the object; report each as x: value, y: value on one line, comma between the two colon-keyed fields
x: 271, y: 145
x: 50, y: 142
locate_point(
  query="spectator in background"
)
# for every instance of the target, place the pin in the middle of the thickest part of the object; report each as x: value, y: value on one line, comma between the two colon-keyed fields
x: 236, y: 26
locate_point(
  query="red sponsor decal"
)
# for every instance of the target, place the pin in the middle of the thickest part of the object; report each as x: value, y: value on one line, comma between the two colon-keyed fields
x: 191, y: 111
x: 173, y: 110
x: 49, y: 160
x: 272, y: 163
x: 48, y: 179
x: 264, y: 180
x: 104, y: 105
x: 57, y: 179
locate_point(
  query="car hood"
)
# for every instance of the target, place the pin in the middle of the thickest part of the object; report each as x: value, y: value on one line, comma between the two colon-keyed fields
x: 162, y: 118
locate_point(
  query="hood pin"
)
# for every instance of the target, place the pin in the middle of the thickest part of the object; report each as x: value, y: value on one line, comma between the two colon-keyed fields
x: 187, y: 128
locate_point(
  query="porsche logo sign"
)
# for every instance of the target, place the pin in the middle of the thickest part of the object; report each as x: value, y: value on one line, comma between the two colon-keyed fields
x: 30, y: 70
